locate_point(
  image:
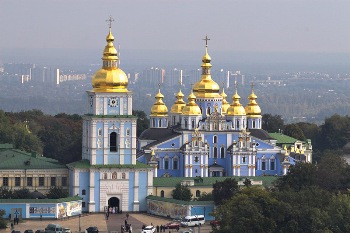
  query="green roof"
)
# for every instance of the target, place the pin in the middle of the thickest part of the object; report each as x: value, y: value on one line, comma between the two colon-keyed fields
x: 111, y: 116
x: 282, y: 138
x: 86, y: 164
x: 44, y: 201
x: 208, y: 181
x: 18, y: 159
x: 156, y: 198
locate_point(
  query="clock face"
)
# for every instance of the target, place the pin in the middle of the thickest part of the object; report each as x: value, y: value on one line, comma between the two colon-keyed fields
x: 113, y: 102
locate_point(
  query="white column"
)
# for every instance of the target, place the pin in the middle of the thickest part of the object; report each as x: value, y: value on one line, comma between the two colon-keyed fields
x: 92, y: 192
x: 133, y: 142
x: 136, y: 192
x: 121, y: 143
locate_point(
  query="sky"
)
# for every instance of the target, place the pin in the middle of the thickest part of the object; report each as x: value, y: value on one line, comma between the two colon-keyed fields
x: 306, y: 26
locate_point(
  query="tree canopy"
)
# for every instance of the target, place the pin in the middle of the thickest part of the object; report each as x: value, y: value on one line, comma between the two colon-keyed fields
x: 224, y: 190
x: 182, y: 192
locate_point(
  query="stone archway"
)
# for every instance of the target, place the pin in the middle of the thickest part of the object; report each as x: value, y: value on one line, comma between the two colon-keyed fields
x: 114, y: 205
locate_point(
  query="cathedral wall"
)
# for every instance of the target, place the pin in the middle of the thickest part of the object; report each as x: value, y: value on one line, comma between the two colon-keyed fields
x: 131, y: 191
x: 143, y: 190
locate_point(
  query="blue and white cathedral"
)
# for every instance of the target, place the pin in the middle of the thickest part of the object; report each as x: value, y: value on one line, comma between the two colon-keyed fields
x: 208, y: 137
x: 109, y: 176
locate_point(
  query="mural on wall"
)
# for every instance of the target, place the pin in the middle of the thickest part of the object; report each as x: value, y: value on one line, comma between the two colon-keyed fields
x: 66, y: 209
x: 166, y: 209
x: 42, y: 210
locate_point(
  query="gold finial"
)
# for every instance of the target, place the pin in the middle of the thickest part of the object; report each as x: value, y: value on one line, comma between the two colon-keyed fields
x: 110, y: 20
x: 159, y: 87
x: 206, y: 40
x: 252, y: 86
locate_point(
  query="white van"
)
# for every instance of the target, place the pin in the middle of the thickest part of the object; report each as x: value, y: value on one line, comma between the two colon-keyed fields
x: 195, y: 220
x: 54, y: 228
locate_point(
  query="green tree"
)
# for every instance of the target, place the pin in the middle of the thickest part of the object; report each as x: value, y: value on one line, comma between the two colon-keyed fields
x: 182, y: 192
x: 5, y: 193
x: 57, y: 192
x: 21, y: 194
x: 299, y: 176
x: 272, y: 123
x: 294, y: 131
x: 205, y: 197
x: 142, y: 121
x: 224, y: 190
x: 3, y: 222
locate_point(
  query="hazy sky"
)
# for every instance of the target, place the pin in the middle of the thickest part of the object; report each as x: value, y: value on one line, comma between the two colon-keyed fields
x: 241, y: 25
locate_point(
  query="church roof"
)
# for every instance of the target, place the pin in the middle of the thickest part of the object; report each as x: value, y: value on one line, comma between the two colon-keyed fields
x: 260, y: 133
x: 17, y: 159
x: 86, y: 164
x: 180, y: 202
x: 60, y: 200
x: 282, y: 138
x: 158, y: 134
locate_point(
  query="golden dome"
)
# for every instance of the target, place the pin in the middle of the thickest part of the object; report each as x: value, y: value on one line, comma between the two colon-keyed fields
x: 110, y: 78
x: 191, y: 107
x: 179, y: 103
x: 236, y: 108
x: 206, y: 87
x: 225, y: 104
x: 252, y: 109
x: 159, y: 108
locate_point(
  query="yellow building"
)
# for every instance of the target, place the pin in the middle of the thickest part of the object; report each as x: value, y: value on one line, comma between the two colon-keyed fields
x: 19, y: 170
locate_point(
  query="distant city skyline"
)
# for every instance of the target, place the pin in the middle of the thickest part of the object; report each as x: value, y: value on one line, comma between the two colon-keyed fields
x: 49, y: 30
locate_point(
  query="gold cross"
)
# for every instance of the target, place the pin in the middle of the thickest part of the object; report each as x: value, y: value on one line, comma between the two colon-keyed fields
x: 252, y: 86
x: 110, y: 20
x: 206, y: 40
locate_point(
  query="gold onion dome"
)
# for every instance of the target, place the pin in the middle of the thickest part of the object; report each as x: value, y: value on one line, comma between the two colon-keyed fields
x: 159, y: 108
x: 252, y: 108
x: 236, y: 108
x: 206, y: 87
x: 179, y: 103
x: 110, y: 78
x: 225, y: 103
x: 191, y: 107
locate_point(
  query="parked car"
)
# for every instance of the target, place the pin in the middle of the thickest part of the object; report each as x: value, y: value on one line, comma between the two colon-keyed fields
x: 172, y: 225
x: 66, y: 230
x: 92, y: 230
x: 28, y: 231
x: 149, y: 229
x: 40, y: 231
x: 14, y: 231
x: 214, y: 223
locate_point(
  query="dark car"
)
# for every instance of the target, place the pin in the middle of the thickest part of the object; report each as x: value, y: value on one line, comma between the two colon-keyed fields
x: 92, y: 230
x: 40, y: 231
x: 28, y: 231
x: 215, y: 223
x: 172, y: 225
x: 14, y: 231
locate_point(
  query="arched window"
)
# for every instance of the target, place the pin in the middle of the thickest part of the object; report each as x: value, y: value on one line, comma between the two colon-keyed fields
x: 99, y: 132
x: 222, y: 152
x: 272, y: 163
x: 113, y: 142
x: 83, y: 192
x: 162, y: 193
x: 198, y: 193
x: 175, y: 163
x: 263, y: 163
x: 105, y: 176
x: 159, y: 123
x: 185, y: 123
x: 208, y: 111
x: 127, y: 132
x: 123, y: 175
x: 114, y: 175
x: 193, y: 124
x: 166, y: 163
x: 253, y: 124
x: 238, y: 124
x: 244, y: 159
x: 215, y: 152
x: 174, y: 120
x: 215, y: 139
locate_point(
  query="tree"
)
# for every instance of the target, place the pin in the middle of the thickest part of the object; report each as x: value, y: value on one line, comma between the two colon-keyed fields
x: 224, y: 190
x: 142, y: 121
x: 294, y: 131
x: 57, y: 192
x: 182, y: 192
x: 205, y: 197
x: 5, y: 193
x: 21, y: 194
x: 272, y: 123
x: 3, y: 222
x: 299, y: 176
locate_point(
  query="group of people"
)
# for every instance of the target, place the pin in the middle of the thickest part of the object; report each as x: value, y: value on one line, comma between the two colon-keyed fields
x: 127, y: 227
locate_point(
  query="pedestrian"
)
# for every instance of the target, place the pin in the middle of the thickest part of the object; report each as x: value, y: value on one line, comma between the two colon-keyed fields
x: 127, y: 216
x: 126, y: 222
x: 157, y: 228
x: 12, y: 226
x: 10, y: 217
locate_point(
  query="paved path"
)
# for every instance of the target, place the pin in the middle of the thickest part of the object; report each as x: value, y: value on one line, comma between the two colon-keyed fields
x: 113, y: 224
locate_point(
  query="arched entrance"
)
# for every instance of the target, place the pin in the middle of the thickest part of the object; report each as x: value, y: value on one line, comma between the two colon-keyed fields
x: 114, y: 205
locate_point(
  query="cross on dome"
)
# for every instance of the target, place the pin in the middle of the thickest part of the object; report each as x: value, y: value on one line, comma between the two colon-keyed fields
x: 110, y: 20
x: 206, y: 40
